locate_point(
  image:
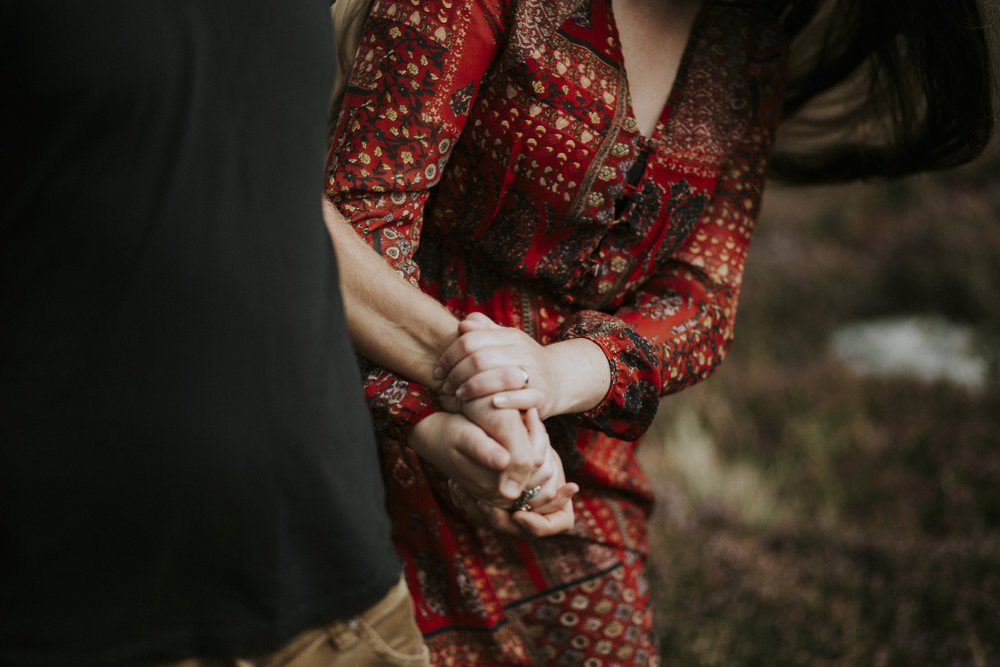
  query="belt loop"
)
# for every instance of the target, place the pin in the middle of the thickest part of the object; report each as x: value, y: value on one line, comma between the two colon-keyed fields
x: 344, y: 634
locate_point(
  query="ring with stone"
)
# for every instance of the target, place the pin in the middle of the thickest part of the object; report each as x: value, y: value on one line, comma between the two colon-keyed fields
x: 521, y: 504
x: 527, y: 378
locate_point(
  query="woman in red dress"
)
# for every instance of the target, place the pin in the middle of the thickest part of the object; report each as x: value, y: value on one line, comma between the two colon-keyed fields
x: 594, y: 225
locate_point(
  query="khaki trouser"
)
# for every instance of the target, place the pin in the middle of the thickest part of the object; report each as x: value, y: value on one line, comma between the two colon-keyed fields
x: 385, y: 635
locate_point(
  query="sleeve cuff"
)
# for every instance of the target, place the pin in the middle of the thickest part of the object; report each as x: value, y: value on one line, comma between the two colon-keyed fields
x: 397, y: 405
x: 633, y: 396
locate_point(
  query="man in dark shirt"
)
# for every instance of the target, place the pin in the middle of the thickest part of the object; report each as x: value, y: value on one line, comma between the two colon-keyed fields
x: 186, y: 463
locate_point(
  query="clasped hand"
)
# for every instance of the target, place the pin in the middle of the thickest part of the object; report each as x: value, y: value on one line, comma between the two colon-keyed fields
x: 503, y: 362
x: 490, y: 447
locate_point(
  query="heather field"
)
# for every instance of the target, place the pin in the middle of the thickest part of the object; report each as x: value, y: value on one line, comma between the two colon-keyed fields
x: 811, y: 514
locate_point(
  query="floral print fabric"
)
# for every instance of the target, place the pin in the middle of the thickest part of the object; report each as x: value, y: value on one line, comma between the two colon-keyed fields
x: 487, y: 149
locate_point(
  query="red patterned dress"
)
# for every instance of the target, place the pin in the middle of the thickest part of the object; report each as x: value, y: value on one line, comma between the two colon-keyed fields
x: 489, y: 152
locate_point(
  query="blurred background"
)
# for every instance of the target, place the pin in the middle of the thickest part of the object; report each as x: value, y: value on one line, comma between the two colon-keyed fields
x: 831, y: 496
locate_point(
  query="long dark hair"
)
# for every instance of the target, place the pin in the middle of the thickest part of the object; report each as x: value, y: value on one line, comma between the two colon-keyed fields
x: 348, y: 17
x: 883, y: 88
x: 876, y: 87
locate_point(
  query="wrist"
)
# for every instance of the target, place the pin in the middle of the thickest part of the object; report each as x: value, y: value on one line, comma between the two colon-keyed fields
x: 417, y: 415
x: 421, y: 434
x: 436, y: 339
x: 582, y: 376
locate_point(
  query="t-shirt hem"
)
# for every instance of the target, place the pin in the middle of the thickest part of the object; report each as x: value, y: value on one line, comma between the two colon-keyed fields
x: 213, y: 638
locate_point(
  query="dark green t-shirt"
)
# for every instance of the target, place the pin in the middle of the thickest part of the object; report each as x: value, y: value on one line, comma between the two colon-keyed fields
x: 186, y: 463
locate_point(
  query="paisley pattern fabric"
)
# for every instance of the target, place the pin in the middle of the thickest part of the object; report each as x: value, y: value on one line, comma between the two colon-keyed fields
x: 487, y: 149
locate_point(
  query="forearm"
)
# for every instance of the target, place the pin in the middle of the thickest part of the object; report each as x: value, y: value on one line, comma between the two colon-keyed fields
x: 391, y: 322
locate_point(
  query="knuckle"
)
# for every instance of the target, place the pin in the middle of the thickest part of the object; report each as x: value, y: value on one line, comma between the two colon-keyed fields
x: 519, y: 471
x: 540, y: 459
x: 479, y: 362
x: 465, y: 344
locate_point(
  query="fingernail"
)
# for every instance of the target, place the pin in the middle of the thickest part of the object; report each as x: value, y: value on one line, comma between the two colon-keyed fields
x: 510, y: 488
x: 461, y: 392
x: 438, y: 372
x: 446, y: 387
x: 500, y: 401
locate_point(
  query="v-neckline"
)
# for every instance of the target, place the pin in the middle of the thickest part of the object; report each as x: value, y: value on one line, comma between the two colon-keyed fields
x: 679, y: 77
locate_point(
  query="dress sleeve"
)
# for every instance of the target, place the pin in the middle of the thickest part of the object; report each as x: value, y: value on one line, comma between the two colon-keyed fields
x: 415, y: 78
x: 676, y: 329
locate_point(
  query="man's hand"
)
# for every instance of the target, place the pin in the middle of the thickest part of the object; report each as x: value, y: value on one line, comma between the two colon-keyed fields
x: 545, y: 498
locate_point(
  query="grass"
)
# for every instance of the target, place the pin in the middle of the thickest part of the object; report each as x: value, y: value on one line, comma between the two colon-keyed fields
x: 809, y: 516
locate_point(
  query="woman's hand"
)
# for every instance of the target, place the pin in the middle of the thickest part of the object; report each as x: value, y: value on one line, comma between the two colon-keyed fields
x: 488, y: 359
x: 464, y: 452
x: 526, y: 441
x: 504, y: 362
x: 548, y: 510
x: 554, y: 518
x: 490, y: 452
